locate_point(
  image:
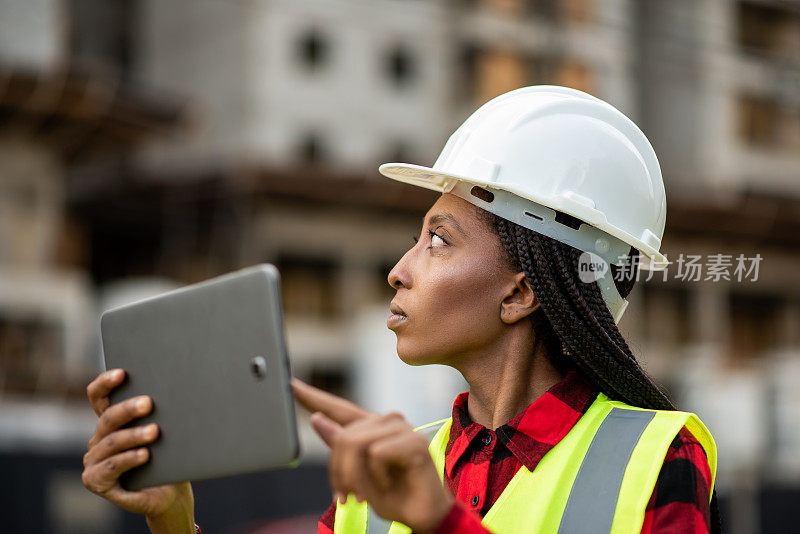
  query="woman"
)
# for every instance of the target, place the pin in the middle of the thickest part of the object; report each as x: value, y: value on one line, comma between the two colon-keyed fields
x: 516, y: 281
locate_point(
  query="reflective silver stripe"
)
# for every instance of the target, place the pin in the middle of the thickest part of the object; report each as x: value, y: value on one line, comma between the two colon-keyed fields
x: 593, y: 497
x: 375, y: 523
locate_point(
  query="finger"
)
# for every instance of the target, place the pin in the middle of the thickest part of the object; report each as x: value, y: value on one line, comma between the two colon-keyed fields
x: 380, y: 458
x: 99, y: 389
x: 404, y: 450
x: 120, y: 414
x: 103, y: 476
x: 325, y: 427
x: 348, y: 464
x: 119, y: 441
x: 353, y: 462
x: 316, y: 400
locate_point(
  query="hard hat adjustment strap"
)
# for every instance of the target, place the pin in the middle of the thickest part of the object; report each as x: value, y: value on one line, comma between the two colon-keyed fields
x: 542, y: 219
x: 616, y: 304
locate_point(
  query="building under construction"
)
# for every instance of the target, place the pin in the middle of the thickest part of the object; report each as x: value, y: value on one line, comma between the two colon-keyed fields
x: 146, y: 145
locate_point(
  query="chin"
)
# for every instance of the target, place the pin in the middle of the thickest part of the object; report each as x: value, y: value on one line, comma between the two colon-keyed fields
x: 411, y: 354
x: 413, y: 361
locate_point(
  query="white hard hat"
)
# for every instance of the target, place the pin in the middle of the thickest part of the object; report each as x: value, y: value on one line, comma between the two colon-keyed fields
x: 553, y: 147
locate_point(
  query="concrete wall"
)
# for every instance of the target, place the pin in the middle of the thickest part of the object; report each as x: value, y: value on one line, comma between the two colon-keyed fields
x: 241, y: 62
x: 33, y: 33
x: 694, y: 71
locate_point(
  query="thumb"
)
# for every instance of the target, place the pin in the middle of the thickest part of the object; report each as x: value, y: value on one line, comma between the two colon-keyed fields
x: 326, y: 427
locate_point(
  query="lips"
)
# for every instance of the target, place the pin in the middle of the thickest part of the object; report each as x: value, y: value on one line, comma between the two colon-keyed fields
x: 398, y: 317
x: 396, y: 309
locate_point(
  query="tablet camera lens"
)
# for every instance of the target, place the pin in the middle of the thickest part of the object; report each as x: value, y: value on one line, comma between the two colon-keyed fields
x: 258, y: 366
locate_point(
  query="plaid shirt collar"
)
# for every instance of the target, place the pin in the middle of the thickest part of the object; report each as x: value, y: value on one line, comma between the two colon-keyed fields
x: 532, y: 432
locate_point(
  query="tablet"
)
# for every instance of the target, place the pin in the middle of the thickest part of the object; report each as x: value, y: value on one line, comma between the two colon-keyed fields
x: 213, y: 358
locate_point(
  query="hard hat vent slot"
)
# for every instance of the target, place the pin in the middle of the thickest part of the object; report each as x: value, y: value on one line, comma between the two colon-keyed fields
x: 568, y: 220
x: 529, y: 214
x: 481, y: 193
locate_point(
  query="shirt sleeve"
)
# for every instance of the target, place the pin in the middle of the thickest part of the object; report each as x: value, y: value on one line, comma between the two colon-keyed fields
x: 461, y: 519
x: 325, y: 523
x: 680, y: 499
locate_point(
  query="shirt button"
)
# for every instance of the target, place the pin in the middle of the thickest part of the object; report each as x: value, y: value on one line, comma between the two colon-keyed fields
x: 475, y: 500
x: 487, y: 440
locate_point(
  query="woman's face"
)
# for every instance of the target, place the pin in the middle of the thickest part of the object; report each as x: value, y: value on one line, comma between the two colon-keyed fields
x: 449, y: 286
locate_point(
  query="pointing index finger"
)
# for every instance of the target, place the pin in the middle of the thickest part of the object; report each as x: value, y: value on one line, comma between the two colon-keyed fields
x: 316, y: 400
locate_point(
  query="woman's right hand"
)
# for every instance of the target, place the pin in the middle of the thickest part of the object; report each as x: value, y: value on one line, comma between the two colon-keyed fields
x: 112, y: 451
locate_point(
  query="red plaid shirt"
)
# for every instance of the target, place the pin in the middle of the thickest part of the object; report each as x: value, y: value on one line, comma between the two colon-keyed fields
x: 479, y: 463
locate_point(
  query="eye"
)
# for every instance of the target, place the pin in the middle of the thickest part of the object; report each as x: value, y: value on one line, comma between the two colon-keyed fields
x: 434, y: 237
x: 415, y: 238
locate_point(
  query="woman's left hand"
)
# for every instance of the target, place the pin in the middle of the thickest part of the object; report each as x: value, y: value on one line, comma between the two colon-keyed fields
x: 378, y: 458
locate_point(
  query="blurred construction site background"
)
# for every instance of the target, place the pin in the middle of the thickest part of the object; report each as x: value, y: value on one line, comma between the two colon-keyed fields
x: 148, y: 144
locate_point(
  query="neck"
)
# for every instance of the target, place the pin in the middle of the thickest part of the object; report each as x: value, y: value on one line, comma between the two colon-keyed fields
x: 504, y: 379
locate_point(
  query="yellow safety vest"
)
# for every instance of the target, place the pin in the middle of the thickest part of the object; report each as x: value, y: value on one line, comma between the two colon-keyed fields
x: 597, y: 479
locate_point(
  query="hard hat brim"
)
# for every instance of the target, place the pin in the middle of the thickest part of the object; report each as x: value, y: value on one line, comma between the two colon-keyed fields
x: 419, y: 175
x: 429, y: 178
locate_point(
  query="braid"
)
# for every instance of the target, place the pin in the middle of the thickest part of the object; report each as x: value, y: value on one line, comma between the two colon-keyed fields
x: 590, y: 339
x: 576, y: 323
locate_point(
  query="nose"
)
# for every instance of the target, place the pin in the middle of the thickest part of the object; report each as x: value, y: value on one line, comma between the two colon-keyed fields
x: 400, y: 275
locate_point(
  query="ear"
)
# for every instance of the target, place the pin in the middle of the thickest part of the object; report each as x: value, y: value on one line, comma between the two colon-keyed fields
x: 519, y: 300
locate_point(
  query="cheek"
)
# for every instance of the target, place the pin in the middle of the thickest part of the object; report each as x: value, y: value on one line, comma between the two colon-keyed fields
x: 461, y: 296
x: 461, y: 304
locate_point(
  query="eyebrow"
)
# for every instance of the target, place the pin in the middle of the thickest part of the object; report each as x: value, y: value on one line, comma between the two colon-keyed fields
x: 445, y: 217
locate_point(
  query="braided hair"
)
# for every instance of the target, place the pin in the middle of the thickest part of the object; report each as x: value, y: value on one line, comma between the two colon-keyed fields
x: 574, y: 322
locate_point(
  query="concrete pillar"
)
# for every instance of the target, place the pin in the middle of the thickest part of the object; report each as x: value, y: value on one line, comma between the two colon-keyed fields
x: 710, y: 313
x: 788, y: 327
x: 31, y: 204
x: 357, y: 285
x: 662, y: 318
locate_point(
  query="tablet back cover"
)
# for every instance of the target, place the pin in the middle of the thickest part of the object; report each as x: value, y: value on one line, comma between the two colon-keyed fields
x: 213, y: 358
